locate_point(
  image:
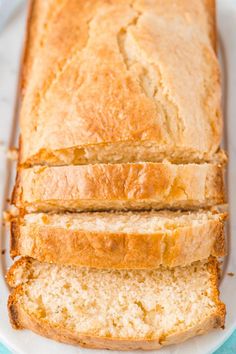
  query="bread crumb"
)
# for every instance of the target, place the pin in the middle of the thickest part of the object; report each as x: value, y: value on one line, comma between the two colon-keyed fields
x: 9, y: 215
x: 6, y: 216
x: 12, y: 154
x: 230, y: 274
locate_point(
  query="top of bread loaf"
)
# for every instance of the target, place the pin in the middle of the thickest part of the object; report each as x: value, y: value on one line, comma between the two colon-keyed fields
x: 120, y: 81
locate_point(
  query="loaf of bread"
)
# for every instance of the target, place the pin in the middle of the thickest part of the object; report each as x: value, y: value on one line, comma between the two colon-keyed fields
x: 119, y: 186
x: 120, y: 117
x: 119, y: 240
x: 115, y: 309
x: 120, y: 81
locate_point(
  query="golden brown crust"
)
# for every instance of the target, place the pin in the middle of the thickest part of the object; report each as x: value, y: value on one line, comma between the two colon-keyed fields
x: 214, y: 268
x: 220, y: 244
x: 177, y: 121
x: 16, y: 189
x: 13, y: 310
x: 210, y: 6
x: 21, y: 319
x: 14, y: 239
x: 119, y: 186
x: 28, y: 45
x: 179, y: 246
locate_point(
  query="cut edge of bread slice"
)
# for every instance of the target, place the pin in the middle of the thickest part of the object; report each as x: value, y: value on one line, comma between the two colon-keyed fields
x: 120, y: 240
x: 120, y: 152
x: 115, y: 309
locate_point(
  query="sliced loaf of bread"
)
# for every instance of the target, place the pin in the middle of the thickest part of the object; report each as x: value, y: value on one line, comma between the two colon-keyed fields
x: 121, y: 239
x: 115, y: 309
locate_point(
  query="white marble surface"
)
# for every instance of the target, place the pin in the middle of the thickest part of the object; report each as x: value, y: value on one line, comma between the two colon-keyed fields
x: 10, y: 48
x: 11, y: 39
x: 10, y: 51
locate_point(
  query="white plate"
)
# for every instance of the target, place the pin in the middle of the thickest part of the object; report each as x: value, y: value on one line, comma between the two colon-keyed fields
x: 25, y: 341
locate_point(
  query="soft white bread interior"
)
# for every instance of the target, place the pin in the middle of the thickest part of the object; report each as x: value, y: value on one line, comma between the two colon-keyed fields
x: 116, y: 309
x: 121, y: 239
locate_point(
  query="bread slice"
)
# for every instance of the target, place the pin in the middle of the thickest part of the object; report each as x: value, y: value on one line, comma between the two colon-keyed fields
x: 119, y: 186
x: 119, y: 240
x: 131, y: 81
x: 115, y: 309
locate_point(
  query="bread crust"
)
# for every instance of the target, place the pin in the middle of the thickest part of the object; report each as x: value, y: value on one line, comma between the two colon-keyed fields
x: 68, y: 144
x: 179, y: 246
x: 210, y: 6
x: 28, y: 46
x: 21, y: 319
x: 119, y: 186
